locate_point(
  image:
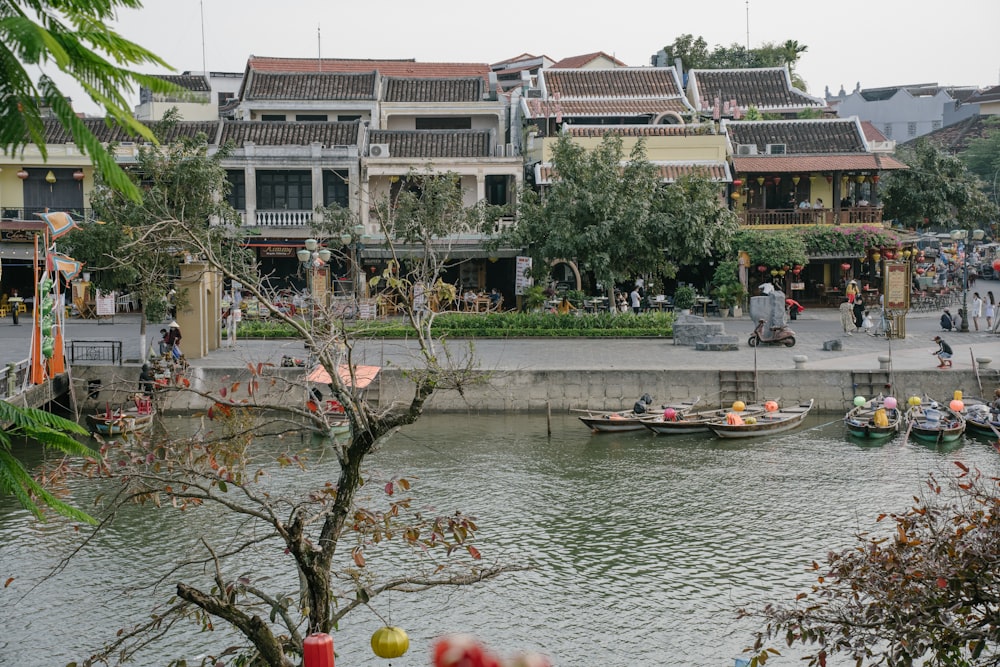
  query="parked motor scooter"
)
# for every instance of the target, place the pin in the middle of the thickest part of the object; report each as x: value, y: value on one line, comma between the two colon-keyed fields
x: 764, y: 335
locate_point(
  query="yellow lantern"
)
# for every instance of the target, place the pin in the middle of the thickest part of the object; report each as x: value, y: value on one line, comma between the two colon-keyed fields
x: 957, y: 395
x: 774, y: 272
x: 860, y: 178
x: 735, y: 195
x: 913, y: 400
x: 739, y: 406
x: 760, y: 180
x: 876, y: 256
x: 390, y: 642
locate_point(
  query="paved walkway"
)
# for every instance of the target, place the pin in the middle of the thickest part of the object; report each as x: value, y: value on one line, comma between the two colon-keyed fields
x: 814, y: 326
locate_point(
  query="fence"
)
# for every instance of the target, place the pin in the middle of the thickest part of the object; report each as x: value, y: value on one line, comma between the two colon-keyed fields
x: 95, y: 350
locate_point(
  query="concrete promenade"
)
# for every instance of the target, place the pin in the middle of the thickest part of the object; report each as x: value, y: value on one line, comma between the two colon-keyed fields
x: 592, y: 362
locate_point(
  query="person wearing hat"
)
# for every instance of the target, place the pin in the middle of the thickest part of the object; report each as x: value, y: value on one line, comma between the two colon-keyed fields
x: 173, y: 339
x: 943, y: 353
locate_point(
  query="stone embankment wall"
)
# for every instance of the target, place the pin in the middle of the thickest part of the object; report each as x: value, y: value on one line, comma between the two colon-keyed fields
x: 525, y: 390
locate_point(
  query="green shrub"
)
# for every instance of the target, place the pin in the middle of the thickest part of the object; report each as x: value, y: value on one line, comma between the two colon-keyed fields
x: 684, y: 298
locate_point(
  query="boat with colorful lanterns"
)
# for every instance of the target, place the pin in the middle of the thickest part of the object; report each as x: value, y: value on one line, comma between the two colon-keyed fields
x: 601, y: 421
x: 935, y: 422
x: 874, y: 419
x: 672, y: 422
x: 774, y: 420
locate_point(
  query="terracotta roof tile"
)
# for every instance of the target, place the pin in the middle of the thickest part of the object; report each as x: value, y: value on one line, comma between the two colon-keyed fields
x: 987, y: 95
x: 384, y: 67
x: 55, y: 134
x: 195, y: 83
x: 598, y: 131
x: 277, y: 133
x: 596, y: 108
x: 629, y: 82
x: 311, y: 86
x: 799, y: 136
x: 803, y: 163
x: 579, y: 61
x: 434, y: 143
x: 668, y: 171
x: 407, y: 89
x: 764, y: 88
x: 871, y: 132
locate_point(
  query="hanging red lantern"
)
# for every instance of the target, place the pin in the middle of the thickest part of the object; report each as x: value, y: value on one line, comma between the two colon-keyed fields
x: 762, y: 268
x: 777, y: 180
x: 829, y: 179
x: 22, y: 174
x: 996, y: 265
x: 737, y: 183
x: 875, y: 178
x: 845, y: 266
x: 78, y: 175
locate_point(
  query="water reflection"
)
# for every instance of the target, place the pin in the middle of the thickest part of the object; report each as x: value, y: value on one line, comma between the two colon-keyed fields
x: 642, y: 545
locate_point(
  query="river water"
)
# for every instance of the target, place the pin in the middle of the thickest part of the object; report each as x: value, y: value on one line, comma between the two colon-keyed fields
x: 642, y: 546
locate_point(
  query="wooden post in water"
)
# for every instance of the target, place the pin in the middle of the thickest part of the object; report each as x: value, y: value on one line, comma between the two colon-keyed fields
x: 548, y: 418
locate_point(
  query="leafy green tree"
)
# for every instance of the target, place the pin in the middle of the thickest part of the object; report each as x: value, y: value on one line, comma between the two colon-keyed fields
x: 73, y: 37
x: 921, y: 591
x: 772, y: 248
x: 695, y: 54
x: 50, y: 431
x: 181, y: 181
x: 936, y: 190
x: 982, y: 157
x: 619, y: 221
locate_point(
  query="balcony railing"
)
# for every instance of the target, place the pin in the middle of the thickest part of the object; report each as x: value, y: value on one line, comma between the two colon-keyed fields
x: 283, y: 218
x: 28, y: 213
x: 856, y: 215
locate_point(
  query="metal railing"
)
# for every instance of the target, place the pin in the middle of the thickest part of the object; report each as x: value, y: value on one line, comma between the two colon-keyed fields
x: 283, y: 218
x: 29, y: 213
x: 95, y: 350
x: 778, y: 217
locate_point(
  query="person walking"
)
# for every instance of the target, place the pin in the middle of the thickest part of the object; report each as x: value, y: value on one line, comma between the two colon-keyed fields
x: 977, y: 309
x: 634, y: 300
x: 990, y: 310
x: 852, y: 291
x: 859, y: 313
x: 943, y: 353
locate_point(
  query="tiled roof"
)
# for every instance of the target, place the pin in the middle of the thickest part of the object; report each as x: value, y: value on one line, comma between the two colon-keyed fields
x: 310, y: 86
x: 596, y: 108
x: 799, y: 136
x: 955, y: 138
x: 987, y: 95
x: 384, y: 67
x: 55, y: 134
x: 195, y: 83
x: 277, y: 133
x: 668, y: 171
x: 804, y: 163
x: 763, y: 88
x: 871, y: 132
x: 433, y: 143
x: 599, y: 131
x: 580, y: 61
x: 406, y: 89
x: 629, y: 82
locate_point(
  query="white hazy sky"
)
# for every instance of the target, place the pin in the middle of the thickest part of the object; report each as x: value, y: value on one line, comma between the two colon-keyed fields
x: 874, y: 42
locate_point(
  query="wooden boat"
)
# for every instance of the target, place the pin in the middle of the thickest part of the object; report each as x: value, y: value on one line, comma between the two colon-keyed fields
x: 134, y: 418
x: 979, y: 420
x: 602, y: 421
x: 861, y: 421
x: 695, y: 422
x: 935, y: 423
x: 769, y: 423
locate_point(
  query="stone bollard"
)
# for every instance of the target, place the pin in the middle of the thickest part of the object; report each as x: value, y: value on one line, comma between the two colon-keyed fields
x: 984, y: 362
x: 883, y: 361
x: 800, y: 361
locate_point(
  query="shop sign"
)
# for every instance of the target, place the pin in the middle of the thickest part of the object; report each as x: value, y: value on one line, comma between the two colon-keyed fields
x: 277, y: 251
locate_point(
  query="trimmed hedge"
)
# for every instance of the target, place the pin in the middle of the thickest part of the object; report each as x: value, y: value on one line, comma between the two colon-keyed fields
x: 498, y: 325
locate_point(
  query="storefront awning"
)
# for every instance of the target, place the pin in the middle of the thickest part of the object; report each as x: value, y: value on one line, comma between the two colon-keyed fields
x: 17, y: 251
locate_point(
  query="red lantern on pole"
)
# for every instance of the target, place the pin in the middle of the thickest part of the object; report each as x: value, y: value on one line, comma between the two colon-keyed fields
x: 317, y: 650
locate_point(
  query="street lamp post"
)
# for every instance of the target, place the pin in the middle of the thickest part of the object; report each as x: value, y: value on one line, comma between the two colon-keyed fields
x: 961, y: 235
x: 312, y: 257
x: 353, y: 242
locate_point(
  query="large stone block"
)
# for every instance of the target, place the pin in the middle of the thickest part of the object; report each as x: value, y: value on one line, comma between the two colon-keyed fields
x: 692, y: 329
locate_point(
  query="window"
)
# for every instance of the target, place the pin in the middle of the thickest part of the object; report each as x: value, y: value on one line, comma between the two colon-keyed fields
x: 496, y: 190
x: 284, y: 190
x: 237, y: 196
x: 455, y: 123
x: 911, y: 129
x: 935, y: 125
x: 272, y: 116
x: 887, y: 130
x: 336, y: 188
x: 350, y: 118
x: 311, y: 117
x: 225, y: 98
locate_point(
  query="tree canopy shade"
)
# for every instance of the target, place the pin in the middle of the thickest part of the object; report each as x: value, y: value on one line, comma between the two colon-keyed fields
x: 924, y: 592
x: 695, y: 54
x: 73, y: 37
x: 936, y: 190
x: 982, y: 157
x: 612, y: 215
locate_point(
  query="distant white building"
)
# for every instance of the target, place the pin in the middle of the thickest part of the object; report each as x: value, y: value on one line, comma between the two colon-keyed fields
x: 903, y: 113
x: 204, y: 98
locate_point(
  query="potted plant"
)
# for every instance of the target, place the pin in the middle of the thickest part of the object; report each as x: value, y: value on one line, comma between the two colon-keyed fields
x: 534, y: 298
x: 684, y: 299
x: 730, y: 297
